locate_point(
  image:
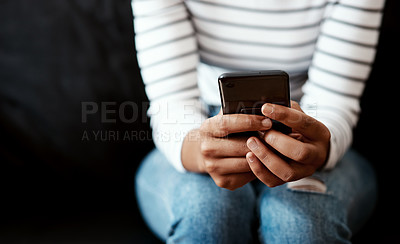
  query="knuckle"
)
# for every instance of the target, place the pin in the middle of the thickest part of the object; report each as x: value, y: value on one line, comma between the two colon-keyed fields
x: 273, y: 184
x: 326, y: 133
x: 258, y: 171
x: 280, y: 114
x: 206, y: 125
x: 270, y: 138
x: 289, y: 175
x: 251, y: 122
x: 203, y: 126
x: 223, y: 125
x: 206, y: 149
x: 302, y: 154
x: 210, y: 166
x: 223, y: 182
x: 307, y: 123
x: 232, y: 187
x: 265, y: 158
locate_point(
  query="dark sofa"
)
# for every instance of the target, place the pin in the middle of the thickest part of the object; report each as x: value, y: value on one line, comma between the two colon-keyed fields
x: 68, y: 152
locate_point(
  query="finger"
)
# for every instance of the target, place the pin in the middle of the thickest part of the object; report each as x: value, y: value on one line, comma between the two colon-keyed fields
x: 295, y: 105
x: 223, y: 125
x: 290, y: 147
x: 233, y: 181
x: 215, y: 147
x: 297, y: 120
x: 296, y: 135
x: 261, y: 172
x: 272, y: 161
x: 227, y: 166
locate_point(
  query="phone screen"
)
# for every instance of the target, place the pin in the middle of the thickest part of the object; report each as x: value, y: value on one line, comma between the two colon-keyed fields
x: 245, y: 93
x: 249, y: 91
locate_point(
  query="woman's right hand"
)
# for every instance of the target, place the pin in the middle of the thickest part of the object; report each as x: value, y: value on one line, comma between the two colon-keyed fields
x: 210, y: 150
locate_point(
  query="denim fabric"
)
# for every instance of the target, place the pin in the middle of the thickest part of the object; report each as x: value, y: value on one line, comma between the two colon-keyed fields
x: 191, y: 208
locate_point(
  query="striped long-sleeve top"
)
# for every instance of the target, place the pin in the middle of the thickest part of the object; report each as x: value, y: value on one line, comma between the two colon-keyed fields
x: 326, y: 46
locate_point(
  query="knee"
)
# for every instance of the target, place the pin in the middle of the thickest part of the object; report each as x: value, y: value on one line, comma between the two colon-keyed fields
x: 216, y: 216
x: 298, y: 221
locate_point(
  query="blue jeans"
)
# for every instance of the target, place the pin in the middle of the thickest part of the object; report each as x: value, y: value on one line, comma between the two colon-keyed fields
x: 190, y: 208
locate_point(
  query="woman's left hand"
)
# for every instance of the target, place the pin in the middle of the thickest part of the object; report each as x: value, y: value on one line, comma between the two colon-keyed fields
x: 305, y: 150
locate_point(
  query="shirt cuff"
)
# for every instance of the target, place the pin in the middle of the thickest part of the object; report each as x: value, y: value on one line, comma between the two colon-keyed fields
x: 177, y: 157
x: 333, y: 155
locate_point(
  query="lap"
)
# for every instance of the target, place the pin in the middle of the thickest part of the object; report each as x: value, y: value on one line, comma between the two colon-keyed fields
x: 349, y: 199
x: 166, y: 196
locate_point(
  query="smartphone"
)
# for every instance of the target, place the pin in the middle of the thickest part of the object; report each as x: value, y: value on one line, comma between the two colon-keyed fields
x: 246, y: 92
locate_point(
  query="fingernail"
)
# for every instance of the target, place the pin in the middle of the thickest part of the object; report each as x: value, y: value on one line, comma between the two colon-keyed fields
x: 250, y: 157
x: 252, y: 144
x: 266, y: 123
x: 267, y: 109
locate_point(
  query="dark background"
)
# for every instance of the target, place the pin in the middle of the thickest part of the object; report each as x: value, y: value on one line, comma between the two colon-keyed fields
x: 56, y: 187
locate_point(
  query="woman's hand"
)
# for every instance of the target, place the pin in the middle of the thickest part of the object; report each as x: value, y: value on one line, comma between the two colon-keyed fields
x: 305, y: 150
x: 210, y: 150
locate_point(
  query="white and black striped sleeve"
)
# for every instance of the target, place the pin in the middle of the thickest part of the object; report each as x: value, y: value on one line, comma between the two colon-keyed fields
x: 168, y: 57
x: 341, y: 64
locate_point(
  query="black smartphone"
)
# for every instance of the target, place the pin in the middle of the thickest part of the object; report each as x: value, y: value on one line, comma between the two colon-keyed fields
x: 246, y: 92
